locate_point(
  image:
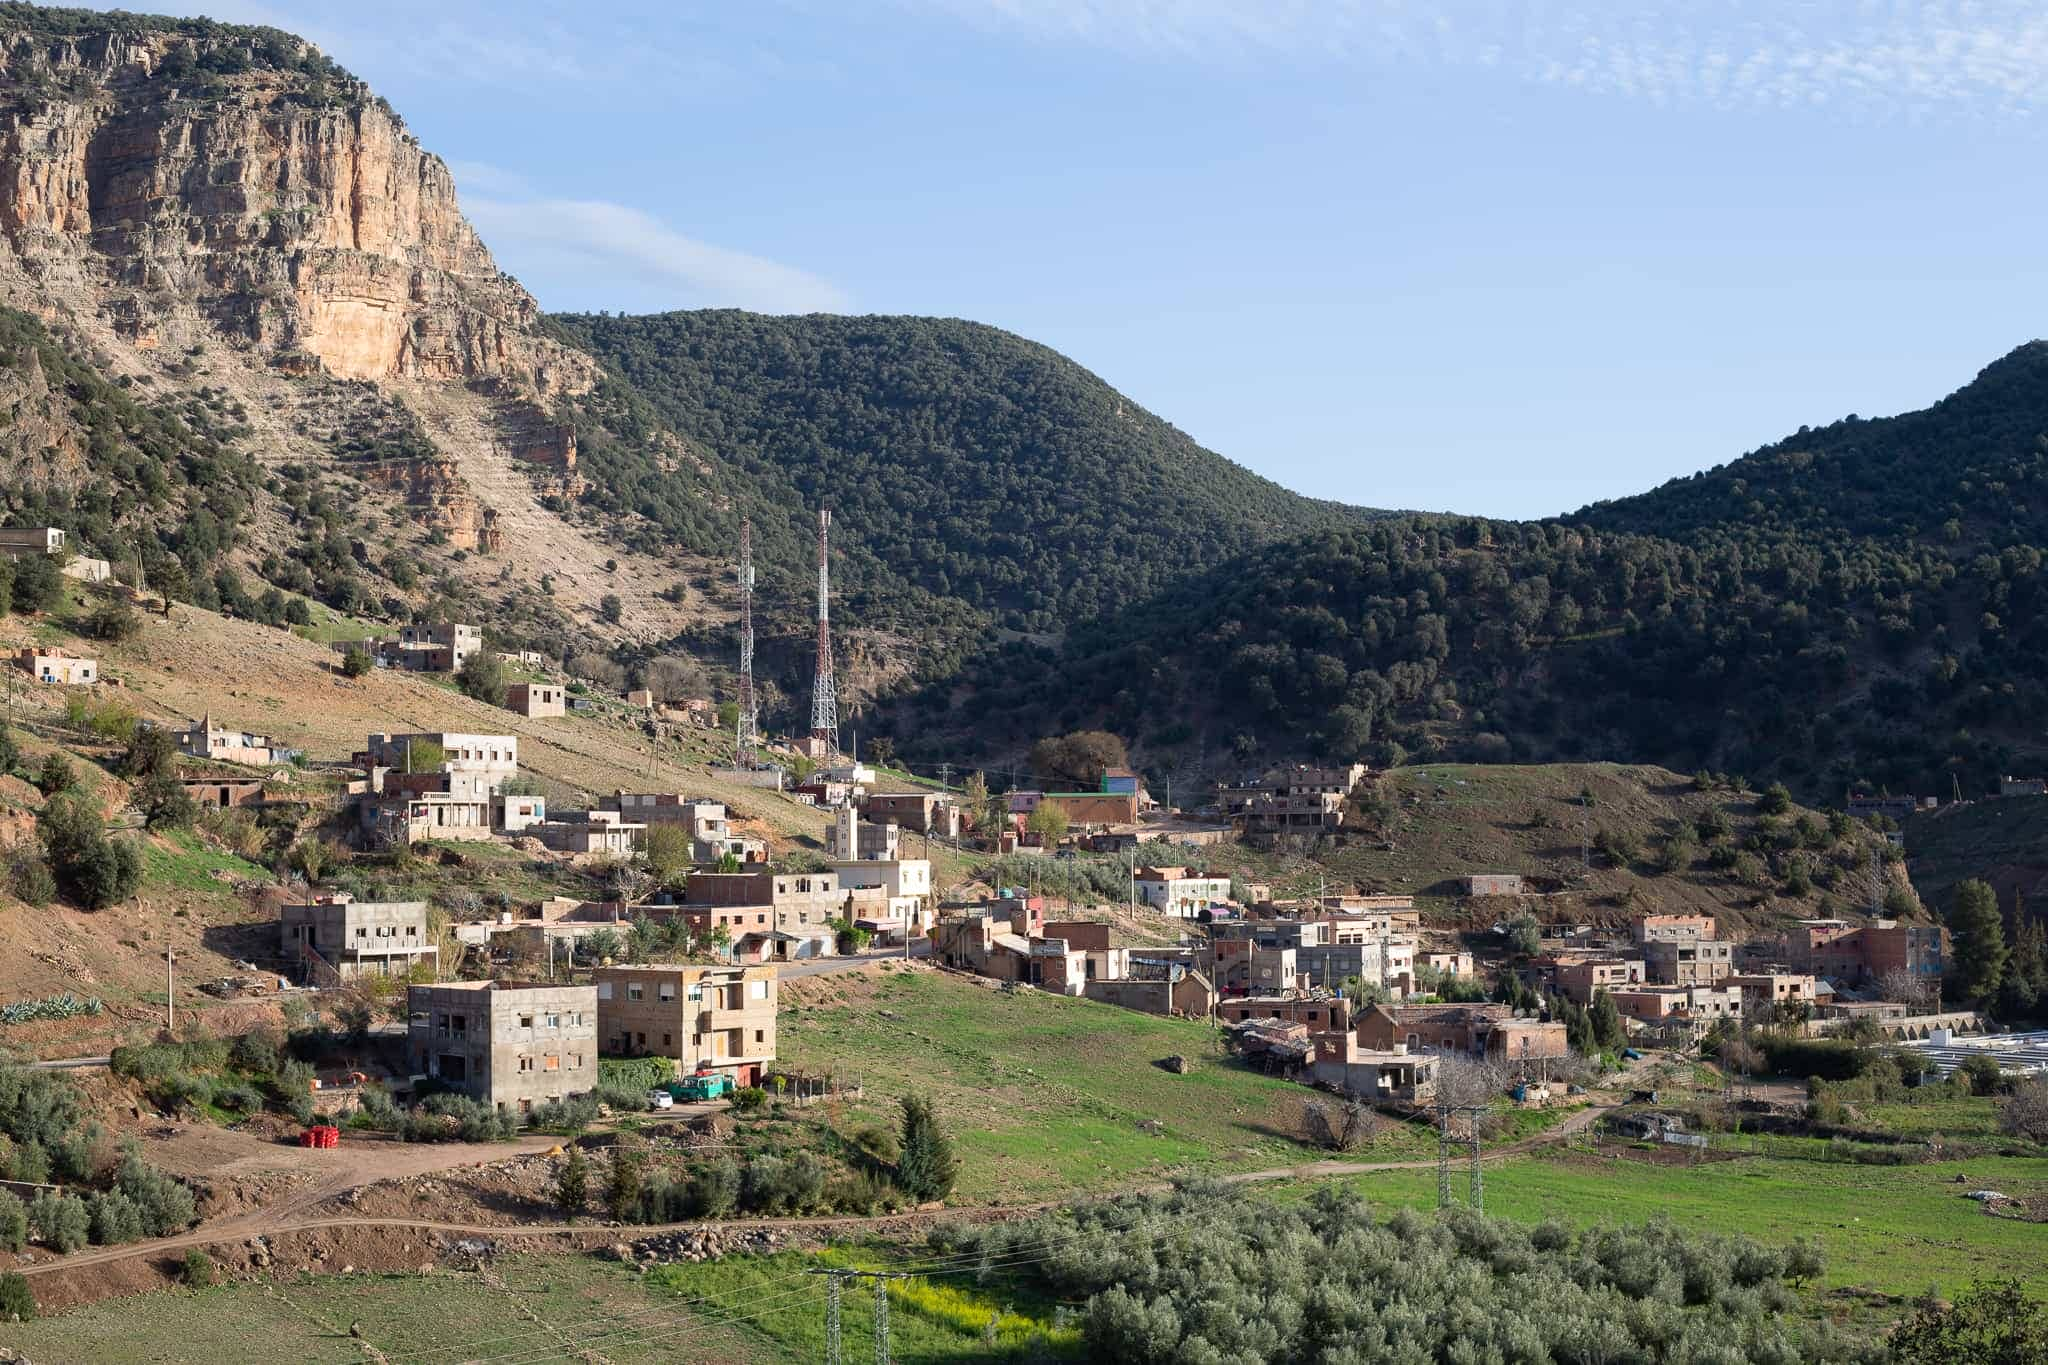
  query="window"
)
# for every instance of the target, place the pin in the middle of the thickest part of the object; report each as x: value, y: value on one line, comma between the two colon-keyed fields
x: 757, y: 990
x: 696, y: 991
x: 554, y: 1021
x: 526, y: 1063
x: 665, y: 1041
x: 526, y: 1021
x: 759, y: 1035
x: 635, y: 991
x: 551, y: 1063
x: 575, y: 1061
x: 604, y: 990
x: 668, y: 991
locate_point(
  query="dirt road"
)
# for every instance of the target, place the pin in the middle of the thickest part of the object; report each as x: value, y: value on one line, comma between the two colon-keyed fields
x: 366, y: 1164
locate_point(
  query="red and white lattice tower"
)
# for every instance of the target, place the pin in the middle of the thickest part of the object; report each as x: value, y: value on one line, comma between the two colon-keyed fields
x: 746, y: 730
x: 825, y: 692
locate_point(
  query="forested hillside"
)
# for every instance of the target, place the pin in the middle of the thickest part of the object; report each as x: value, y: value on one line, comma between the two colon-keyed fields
x: 1861, y: 604
x: 969, y: 463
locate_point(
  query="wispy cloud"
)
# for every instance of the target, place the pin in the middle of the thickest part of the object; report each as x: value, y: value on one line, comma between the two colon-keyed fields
x: 1862, y: 56
x: 598, y: 239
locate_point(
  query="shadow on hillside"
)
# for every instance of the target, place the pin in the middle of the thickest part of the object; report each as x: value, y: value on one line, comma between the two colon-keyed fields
x: 255, y: 943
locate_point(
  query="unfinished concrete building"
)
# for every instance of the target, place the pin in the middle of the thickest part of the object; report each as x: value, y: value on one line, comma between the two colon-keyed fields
x: 335, y: 938
x: 511, y: 1046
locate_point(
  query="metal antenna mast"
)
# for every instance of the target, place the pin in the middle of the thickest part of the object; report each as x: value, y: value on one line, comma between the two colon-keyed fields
x: 825, y: 692
x: 747, y: 728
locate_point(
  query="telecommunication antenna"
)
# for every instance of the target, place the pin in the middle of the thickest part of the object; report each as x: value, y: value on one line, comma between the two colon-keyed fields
x: 746, y: 730
x: 825, y: 691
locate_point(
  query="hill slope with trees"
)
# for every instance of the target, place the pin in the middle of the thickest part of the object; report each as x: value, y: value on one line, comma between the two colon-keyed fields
x: 966, y: 461
x: 1858, y: 605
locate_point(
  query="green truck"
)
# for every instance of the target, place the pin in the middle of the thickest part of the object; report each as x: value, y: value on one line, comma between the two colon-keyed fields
x: 705, y: 1085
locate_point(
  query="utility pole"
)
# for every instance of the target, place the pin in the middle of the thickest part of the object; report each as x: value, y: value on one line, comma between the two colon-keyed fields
x: 882, y: 1319
x: 834, y: 1349
x: 170, y: 991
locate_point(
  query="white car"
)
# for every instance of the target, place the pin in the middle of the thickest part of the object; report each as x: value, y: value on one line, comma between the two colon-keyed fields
x: 660, y: 1099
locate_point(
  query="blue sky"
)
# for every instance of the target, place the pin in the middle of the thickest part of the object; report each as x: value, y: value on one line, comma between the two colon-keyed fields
x: 1504, y: 258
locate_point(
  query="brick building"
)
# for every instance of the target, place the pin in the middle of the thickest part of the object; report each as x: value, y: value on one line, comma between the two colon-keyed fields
x: 707, y: 1018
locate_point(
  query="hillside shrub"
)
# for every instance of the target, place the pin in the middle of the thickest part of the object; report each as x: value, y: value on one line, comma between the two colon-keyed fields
x: 17, y: 1301
x: 91, y: 870
x: 196, y: 1269
x: 13, y: 1223
x: 166, y: 1204
x: 115, y: 1218
x: 714, y: 1189
x: 28, y: 875
x: 62, y: 1221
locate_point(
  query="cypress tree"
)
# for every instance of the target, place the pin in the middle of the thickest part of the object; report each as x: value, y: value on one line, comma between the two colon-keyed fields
x: 927, y: 1168
x: 572, y: 1186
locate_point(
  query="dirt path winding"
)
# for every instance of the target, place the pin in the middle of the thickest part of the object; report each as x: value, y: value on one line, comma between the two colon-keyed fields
x: 291, y: 1215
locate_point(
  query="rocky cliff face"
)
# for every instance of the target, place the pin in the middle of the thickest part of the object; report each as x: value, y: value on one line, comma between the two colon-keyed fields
x: 232, y: 231
x: 303, y: 221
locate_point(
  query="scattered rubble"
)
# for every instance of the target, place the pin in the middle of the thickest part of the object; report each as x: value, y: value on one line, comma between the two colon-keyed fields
x: 708, y: 1244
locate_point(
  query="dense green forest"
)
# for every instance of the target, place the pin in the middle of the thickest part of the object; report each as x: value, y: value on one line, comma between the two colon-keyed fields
x: 1862, y: 604
x: 972, y: 465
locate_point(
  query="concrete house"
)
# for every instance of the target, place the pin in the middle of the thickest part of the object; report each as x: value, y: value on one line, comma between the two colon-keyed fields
x: 1764, y: 991
x: 1858, y: 954
x: 1673, y: 928
x: 432, y: 646
x: 775, y: 916
x: 1175, y: 892
x: 512, y: 1046
x: 57, y: 668
x: 207, y: 740
x: 477, y: 765
x: 534, y: 699
x: 851, y: 837
x: 1341, y: 1062
x: 709, y: 823
x: 1458, y: 1028
x: 1698, y: 1007
x: 926, y: 812
x: 707, y: 1018
x: 1187, y: 993
x: 1687, y: 961
x: 16, y: 541
x: 1493, y: 884
x: 335, y: 938
x: 1319, y: 1012
x: 1579, y: 977
x: 588, y: 832
x: 897, y: 893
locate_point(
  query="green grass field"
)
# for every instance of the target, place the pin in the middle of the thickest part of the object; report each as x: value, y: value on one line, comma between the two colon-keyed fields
x: 1046, y: 1095
x: 1894, y: 1229
x: 524, y: 1306
x: 179, y: 860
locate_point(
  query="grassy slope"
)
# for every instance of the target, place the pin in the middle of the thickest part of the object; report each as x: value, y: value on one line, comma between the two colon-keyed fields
x: 1044, y: 1094
x: 1457, y: 819
x: 422, y: 1318
x: 1894, y: 1229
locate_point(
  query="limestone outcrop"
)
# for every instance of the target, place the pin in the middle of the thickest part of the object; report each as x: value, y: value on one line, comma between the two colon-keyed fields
x: 289, y: 211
